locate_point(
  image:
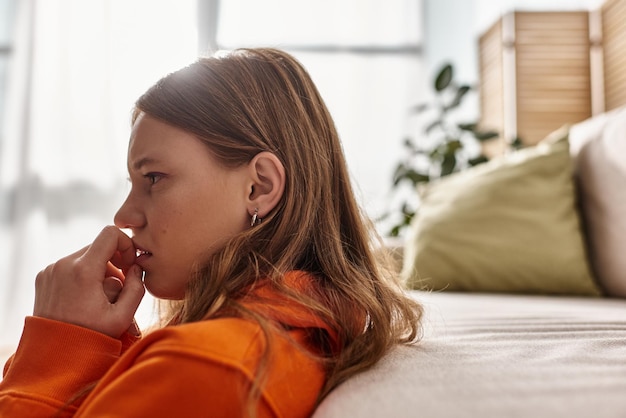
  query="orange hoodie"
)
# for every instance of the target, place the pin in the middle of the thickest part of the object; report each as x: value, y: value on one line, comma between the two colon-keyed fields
x: 200, y: 369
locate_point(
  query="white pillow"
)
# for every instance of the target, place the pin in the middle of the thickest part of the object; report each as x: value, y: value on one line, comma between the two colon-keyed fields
x: 599, y: 148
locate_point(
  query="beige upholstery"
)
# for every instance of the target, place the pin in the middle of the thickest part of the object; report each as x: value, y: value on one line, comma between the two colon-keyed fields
x: 495, y: 356
x: 599, y: 149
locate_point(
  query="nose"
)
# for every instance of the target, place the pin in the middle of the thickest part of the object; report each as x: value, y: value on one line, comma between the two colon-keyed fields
x: 129, y: 215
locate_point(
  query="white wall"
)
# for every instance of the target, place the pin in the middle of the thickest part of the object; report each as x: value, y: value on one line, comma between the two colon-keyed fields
x: 452, y: 27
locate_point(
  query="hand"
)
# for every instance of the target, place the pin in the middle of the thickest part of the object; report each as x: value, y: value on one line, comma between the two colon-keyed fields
x: 84, y: 288
x: 112, y: 288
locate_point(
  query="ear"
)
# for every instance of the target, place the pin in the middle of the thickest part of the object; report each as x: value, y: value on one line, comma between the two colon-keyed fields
x: 267, y: 184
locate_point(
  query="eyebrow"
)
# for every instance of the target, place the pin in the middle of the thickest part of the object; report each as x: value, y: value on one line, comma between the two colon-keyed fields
x: 143, y: 161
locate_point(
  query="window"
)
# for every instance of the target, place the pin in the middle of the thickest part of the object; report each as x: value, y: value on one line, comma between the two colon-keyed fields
x: 76, y: 68
x: 7, y: 12
x: 364, y: 56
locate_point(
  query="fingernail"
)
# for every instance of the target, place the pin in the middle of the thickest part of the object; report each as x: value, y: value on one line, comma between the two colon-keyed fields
x: 134, y: 329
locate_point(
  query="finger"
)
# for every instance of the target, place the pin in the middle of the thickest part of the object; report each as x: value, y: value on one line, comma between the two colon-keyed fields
x: 78, y: 253
x: 111, y: 244
x: 114, y: 271
x: 132, y: 292
x: 124, y: 265
x: 112, y: 287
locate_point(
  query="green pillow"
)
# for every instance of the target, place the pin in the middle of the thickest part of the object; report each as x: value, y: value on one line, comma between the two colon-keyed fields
x: 509, y: 225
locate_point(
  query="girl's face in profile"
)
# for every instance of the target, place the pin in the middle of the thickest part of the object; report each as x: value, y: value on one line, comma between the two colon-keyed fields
x: 182, y: 206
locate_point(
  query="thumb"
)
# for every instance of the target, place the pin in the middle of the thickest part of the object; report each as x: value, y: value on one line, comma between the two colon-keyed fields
x: 133, y: 290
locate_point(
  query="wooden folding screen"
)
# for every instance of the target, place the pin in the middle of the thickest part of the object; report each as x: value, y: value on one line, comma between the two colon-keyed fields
x: 535, y: 73
x: 613, y: 13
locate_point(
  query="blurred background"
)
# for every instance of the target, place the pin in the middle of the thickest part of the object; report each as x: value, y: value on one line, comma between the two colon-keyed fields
x: 70, y: 71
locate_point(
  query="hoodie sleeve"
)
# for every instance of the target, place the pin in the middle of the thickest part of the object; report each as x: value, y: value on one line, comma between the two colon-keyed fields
x: 53, y: 364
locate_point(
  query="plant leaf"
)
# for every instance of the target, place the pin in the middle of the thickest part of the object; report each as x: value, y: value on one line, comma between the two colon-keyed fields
x: 419, y: 108
x: 403, y: 172
x: 486, y: 135
x: 471, y: 127
x: 478, y: 160
x: 395, y: 231
x: 382, y: 217
x: 399, y: 173
x: 432, y: 126
x: 458, y: 97
x: 448, y: 164
x: 517, y: 143
x: 416, y: 177
x: 408, y: 143
x: 407, y: 211
x: 453, y: 146
x: 444, y: 78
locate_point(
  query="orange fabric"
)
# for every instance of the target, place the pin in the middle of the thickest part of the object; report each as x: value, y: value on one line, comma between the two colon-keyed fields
x: 199, y: 369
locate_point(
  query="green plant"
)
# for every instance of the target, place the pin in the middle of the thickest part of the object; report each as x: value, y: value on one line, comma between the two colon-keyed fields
x: 445, y: 146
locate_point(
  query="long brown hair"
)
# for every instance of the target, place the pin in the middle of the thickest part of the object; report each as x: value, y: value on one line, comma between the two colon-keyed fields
x: 254, y: 100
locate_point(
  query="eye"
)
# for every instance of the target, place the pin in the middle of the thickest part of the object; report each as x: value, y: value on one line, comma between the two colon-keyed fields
x: 153, y: 178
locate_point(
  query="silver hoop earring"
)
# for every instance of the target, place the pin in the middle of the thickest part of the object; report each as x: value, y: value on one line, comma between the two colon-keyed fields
x: 255, y: 218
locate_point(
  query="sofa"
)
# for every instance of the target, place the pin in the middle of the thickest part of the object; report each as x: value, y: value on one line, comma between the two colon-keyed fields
x: 520, y: 265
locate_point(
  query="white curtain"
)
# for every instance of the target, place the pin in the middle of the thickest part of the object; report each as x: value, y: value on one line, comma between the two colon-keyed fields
x: 365, y: 57
x: 76, y: 70
x: 78, y: 66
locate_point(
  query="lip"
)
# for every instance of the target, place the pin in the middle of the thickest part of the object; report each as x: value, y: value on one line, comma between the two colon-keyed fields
x: 142, y: 256
x: 142, y: 260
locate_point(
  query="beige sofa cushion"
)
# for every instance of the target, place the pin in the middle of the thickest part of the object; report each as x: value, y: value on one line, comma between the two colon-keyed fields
x: 599, y: 150
x: 510, y: 225
x: 498, y: 356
